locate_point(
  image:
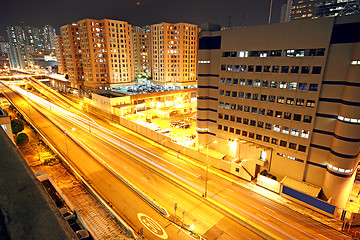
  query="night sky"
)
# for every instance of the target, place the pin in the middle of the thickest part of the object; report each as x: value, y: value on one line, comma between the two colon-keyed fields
x: 141, y: 12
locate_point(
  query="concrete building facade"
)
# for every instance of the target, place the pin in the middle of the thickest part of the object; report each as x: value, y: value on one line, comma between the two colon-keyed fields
x: 174, y: 53
x: 142, y: 52
x: 60, y: 54
x: 73, y: 58
x: 287, y: 94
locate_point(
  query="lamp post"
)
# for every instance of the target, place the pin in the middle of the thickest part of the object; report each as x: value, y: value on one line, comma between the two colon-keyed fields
x: 67, y: 150
x: 207, y: 165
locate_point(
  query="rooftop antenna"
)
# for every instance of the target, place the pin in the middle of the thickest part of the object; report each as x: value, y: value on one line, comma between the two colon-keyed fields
x: 270, y: 10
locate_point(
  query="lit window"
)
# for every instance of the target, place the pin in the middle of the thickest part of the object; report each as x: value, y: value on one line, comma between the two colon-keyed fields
x: 285, y: 130
x: 276, y: 128
x: 294, y: 132
x: 282, y: 84
x: 304, y: 134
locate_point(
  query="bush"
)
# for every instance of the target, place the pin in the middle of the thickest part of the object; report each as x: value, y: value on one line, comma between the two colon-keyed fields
x: 17, y: 126
x: 22, y: 139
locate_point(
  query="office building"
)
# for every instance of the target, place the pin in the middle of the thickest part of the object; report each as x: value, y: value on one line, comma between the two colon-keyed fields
x: 284, y: 94
x: 174, y: 53
x: 299, y: 9
x: 142, y: 52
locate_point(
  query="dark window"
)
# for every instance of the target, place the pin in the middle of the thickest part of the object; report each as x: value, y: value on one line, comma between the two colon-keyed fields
x: 234, y: 94
x: 236, y: 68
x: 268, y: 126
x: 303, y: 86
x: 260, y: 124
x: 258, y: 68
x: 232, y: 118
x: 275, y: 69
x: 227, y: 93
x: 266, y: 139
x: 226, y: 117
x: 221, y: 93
x: 263, y: 97
x: 250, y: 68
x: 302, y: 148
x: 265, y: 83
x: 248, y: 96
x: 271, y: 98
x: 235, y: 81
x: 284, y: 69
x: 220, y: 127
x: 254, y: 110
x: 320, y: 52
x: 278, y: 114
x: 313, y: 87
x: 316, y: 70
x: 241, y: 94
x: 283, y: 143
x: 245, y: 121
x: 252, y: 122
x: 240, y: 107
x: 249, y: 82
x: 305, y: 69
x: 294, y: 69
x: 261, y: 111
x: 237, y: 131
x: 220, y: 116
x: 246, y: 109
x: 258, y: 137
x: 269, y: 112
x: 297, y: 117
x: 292, y: 145
x: 232, y: 130
x: 266, y: 68
x: 251, y: 135
x: 255, y: 96
x: 287, y: 115
x: 274, y: 141
x: 226, y: 128
x: 228, y: 80
x: 238, y: 119
x: 223, y: 67
x: 307, y: 119
x: 222, y: 80
x: 244, y: 133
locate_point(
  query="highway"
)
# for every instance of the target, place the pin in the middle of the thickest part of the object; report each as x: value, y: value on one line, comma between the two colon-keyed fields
x: 164, y: 177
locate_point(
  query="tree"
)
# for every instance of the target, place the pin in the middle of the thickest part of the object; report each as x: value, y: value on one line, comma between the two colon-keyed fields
x: 17, y: 125
x: 22, y: 139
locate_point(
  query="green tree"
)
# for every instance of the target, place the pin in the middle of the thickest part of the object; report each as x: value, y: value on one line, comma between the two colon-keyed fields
x: 22, y: 139
x: 17, y: 125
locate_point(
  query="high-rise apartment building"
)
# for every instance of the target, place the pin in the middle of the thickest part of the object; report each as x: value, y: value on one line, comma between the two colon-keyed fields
x: 73, y: 55
x: 288, y: 94
x: 107, y: 53
x: 142, y: 51
x: 48, y: 35
x: 60, y: 54
x: 299, y: 9
x: 174, y: 53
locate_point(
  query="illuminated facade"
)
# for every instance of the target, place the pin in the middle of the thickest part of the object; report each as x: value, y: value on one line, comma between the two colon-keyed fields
x: 294, y: 103
x: 299, y: 9
x: 142, y: 52
x: 99, y: 53
x: 73, y: 59
x: 174, y: 53
x: 60, y: 54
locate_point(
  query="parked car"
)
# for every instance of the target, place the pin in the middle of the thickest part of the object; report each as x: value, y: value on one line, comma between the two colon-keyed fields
x: 67, y: 214
x: 83, y: 234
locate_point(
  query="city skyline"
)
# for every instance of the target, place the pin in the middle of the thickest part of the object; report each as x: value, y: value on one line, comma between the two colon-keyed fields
x: 138, y: 13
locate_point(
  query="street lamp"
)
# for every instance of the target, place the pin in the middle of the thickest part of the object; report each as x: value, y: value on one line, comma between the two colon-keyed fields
x: 67, y: 150
x: 207, y: 165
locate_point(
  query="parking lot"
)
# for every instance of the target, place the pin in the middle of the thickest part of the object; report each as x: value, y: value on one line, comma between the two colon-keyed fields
x: 180, y: 127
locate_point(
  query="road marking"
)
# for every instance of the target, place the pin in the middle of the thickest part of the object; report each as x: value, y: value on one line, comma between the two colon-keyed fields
x: 152, y: 226
x: 261, y: 216
x: 229, y: 190
x: 269, y: 209
x: 323, y: 236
